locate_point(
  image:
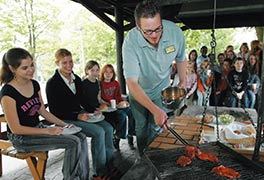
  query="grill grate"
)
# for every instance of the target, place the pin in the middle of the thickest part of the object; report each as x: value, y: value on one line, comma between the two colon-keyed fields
x: 164, y: 162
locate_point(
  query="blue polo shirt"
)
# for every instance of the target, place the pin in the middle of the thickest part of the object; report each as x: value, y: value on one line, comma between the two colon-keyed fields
x: 151, y: 66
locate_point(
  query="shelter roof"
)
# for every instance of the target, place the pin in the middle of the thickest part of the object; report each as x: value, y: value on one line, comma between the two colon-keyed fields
x: 194, y: 14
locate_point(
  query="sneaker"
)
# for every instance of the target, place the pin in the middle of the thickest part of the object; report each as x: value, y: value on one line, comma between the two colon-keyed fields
x: 116, y: 142
x: 130, y: 141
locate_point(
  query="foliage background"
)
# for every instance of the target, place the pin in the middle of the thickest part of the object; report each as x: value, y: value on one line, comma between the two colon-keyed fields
x: 66, y: 24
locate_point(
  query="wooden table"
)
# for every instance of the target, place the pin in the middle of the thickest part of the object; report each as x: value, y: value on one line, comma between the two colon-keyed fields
x: 189, y: 129
x: 193, y: 111
x: 186, y: 127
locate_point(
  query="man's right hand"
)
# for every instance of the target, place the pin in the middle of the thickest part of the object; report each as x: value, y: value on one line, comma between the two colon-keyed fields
x: 160, y: 117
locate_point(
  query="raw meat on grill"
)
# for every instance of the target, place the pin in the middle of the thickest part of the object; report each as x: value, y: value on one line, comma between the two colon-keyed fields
x: 190, y: 151
x: 184, y: 161
x: 226, y: 172
x: 206, y: 156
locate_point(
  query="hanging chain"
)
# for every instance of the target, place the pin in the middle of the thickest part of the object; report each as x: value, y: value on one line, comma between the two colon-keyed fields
x: 248, y: 115
x: 204, y: 114
x: 213, y: 45
x: 188, y: 90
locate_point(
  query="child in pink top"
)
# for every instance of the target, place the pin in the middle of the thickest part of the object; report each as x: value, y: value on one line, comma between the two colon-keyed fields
x: 190, y: 82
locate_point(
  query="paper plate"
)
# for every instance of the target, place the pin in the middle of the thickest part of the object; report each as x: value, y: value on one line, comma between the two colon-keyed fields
x: 72, y: 130
x: 220, y: 121
x: 96, y: 118
x: 109, y: 110
x: 201, y: 116
x: 121, y: 107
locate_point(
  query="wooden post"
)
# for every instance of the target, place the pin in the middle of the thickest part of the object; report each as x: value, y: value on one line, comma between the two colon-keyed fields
x: 119, y: 41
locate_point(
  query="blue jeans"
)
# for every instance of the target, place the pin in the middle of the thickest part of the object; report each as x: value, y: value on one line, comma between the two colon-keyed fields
x: 202, y: 98
x: 101, y: 143
x: 76, y: 162
x: 221, y: 98
x: 126, y: 112
x: 251, y: 98
x: 146, y: 129
x: 233, y: 101
x: 118, y: 122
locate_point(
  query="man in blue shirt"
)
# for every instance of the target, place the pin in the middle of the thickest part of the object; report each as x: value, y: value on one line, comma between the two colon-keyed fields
x: 148, y: 52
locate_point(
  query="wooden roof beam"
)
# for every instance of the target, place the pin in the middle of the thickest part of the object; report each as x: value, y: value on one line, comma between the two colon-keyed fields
x: 100, y: 14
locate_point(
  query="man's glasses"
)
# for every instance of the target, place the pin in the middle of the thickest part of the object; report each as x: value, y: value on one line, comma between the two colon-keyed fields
x: 149, y: 31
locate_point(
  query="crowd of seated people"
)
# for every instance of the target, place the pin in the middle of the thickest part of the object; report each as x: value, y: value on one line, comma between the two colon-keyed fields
x: 232, y: 79
x: 73, y: 102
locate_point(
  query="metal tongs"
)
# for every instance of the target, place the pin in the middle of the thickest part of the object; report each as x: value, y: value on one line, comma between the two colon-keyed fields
x: 175, y: 134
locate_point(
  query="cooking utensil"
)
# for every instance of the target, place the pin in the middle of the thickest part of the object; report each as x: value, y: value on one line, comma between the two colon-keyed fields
x: 175, y: 134
x: 172, y: 97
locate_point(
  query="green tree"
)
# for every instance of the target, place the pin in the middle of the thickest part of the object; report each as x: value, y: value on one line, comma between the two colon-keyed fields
x: 87, y: 38
x: 197, y: 38
x: 25, y: 23
x: 44, y: 26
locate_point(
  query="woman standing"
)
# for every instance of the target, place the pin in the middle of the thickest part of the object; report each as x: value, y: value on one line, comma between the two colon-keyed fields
x: 192, y: 57
x: 244, y: 52
x: 253, y: 80
x: 22, y: 104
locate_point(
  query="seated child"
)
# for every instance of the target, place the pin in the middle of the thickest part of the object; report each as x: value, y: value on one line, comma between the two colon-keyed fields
x: 111, y: 90
x: 237, y: 85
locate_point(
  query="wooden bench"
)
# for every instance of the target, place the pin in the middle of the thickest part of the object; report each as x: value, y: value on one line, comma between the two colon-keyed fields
x: 36, y: 160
